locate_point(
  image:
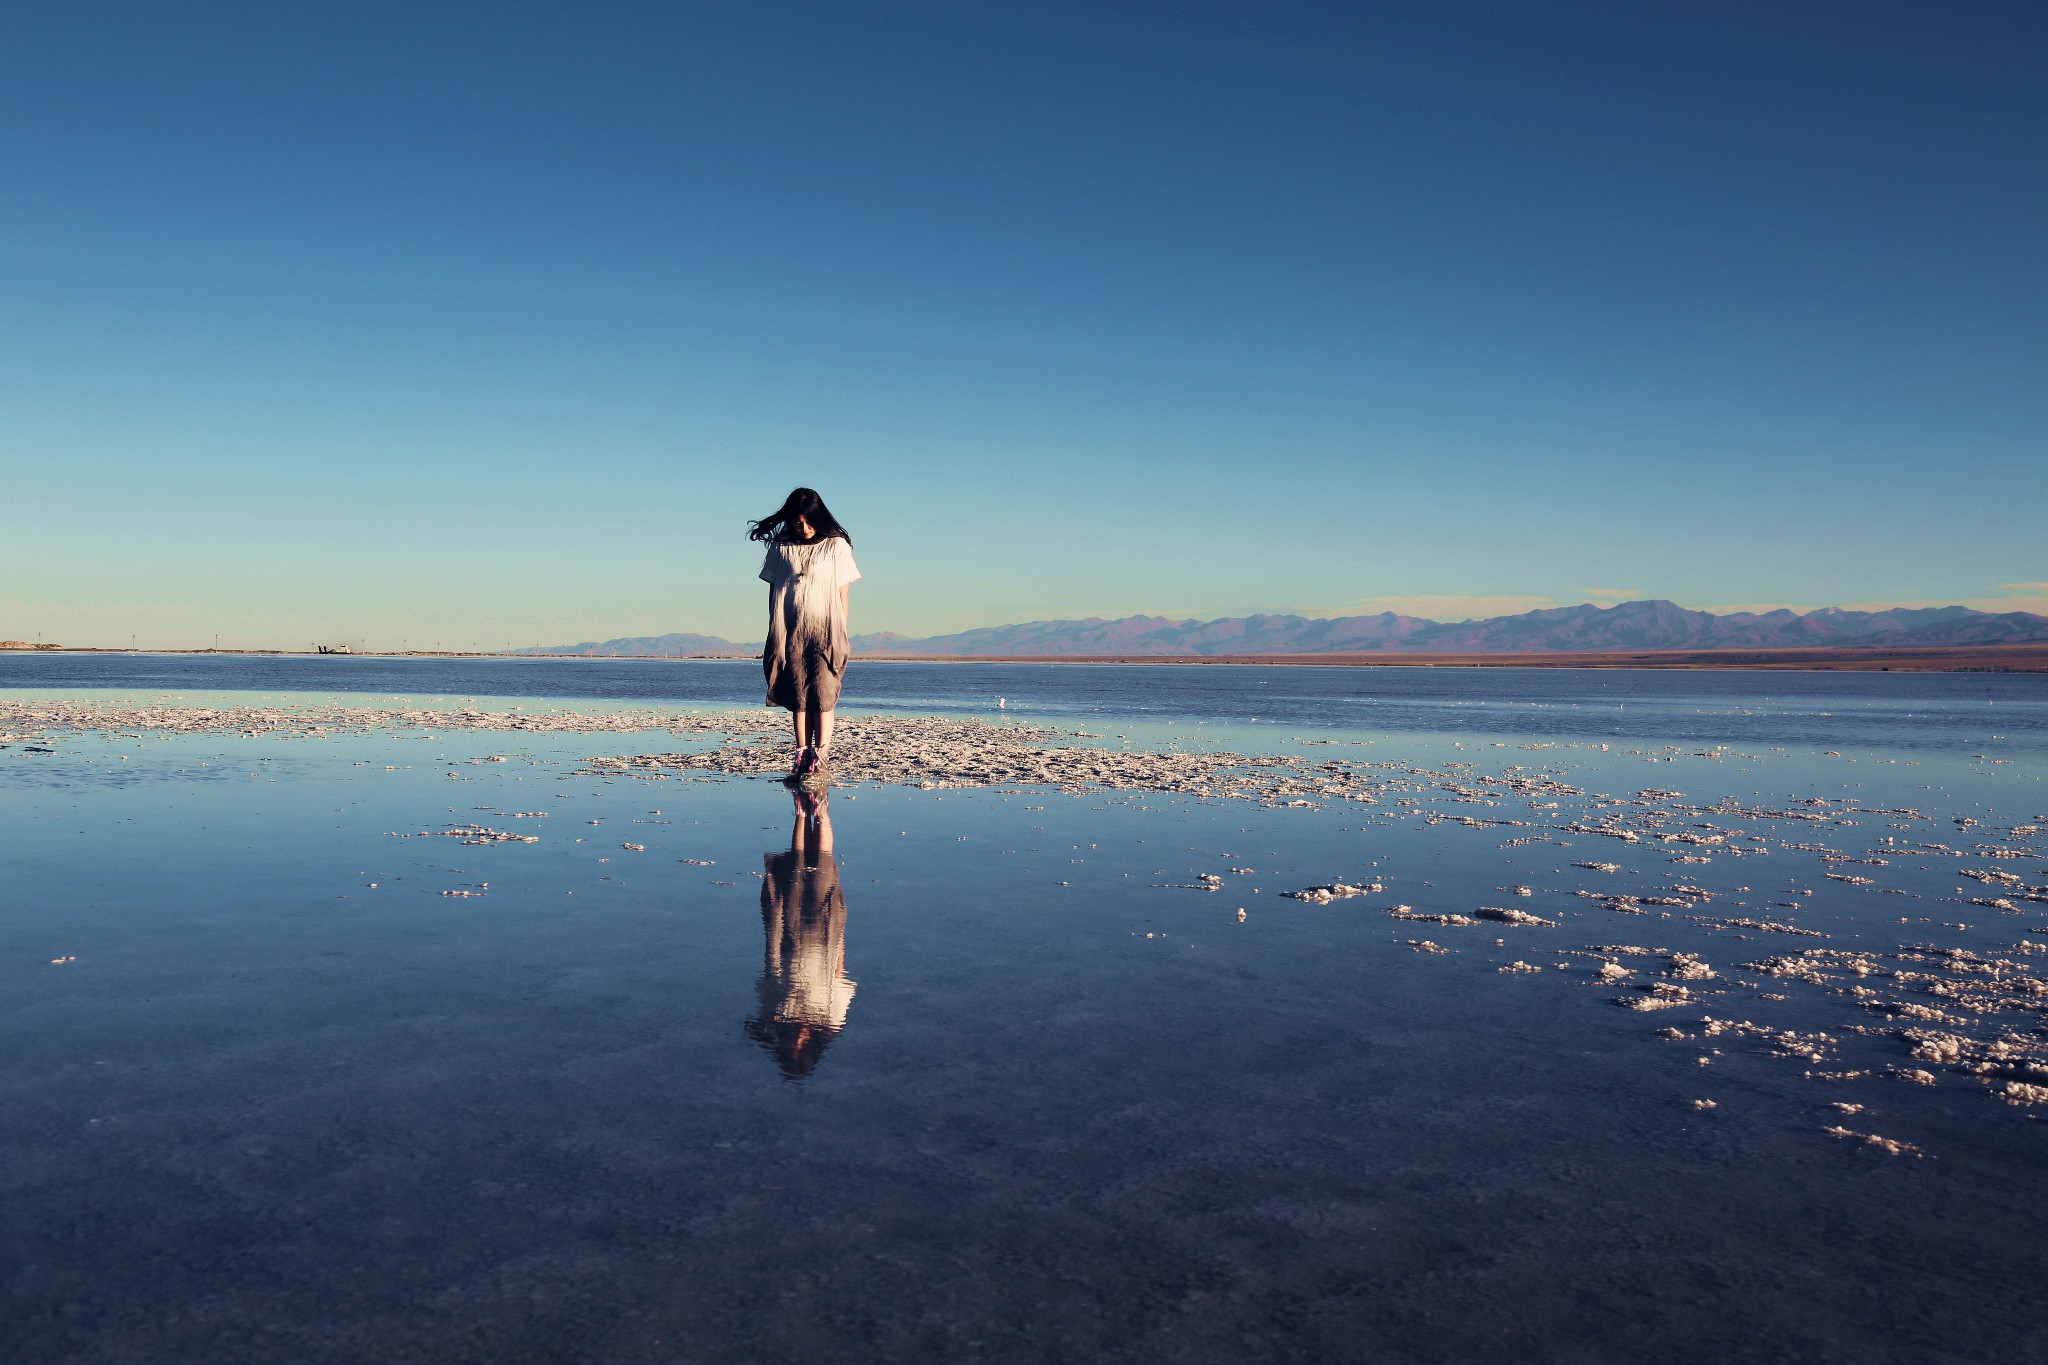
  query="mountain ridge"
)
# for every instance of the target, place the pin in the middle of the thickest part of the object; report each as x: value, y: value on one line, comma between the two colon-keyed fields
x: 1651, y: 624
x: 674, y: 645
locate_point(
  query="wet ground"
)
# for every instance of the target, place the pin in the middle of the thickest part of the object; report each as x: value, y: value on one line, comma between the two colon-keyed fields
x: 449, y: 1045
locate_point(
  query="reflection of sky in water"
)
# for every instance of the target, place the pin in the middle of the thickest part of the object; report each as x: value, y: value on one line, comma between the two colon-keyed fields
x: 155, y: 758
x: 1076, y: 1107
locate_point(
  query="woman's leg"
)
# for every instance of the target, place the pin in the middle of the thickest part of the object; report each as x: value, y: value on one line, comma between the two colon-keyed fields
x: 800, y: 721
x: 822, y: 728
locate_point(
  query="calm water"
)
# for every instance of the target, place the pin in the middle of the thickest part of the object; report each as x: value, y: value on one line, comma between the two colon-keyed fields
x: 1939, y: 712
x: 986, y: 1080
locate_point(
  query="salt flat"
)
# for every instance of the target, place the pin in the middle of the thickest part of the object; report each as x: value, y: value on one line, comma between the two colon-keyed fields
x: 351, y: 1028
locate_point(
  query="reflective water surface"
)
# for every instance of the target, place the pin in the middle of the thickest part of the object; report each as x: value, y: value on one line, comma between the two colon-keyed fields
x: 1937, y: 711
x: 300, y: 1066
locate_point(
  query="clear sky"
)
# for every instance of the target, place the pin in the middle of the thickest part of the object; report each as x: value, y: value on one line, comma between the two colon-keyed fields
x: 493, y: 322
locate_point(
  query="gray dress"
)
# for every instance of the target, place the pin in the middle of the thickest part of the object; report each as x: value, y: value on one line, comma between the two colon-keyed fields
x: 806, y: 651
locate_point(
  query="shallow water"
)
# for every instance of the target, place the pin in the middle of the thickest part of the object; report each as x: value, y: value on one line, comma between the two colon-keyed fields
x: 1942, y: 712
x: 1057, y: 1103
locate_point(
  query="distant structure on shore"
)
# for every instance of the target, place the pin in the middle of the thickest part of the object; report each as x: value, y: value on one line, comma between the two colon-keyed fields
x: 26, y: 644
x: 332, y: 649
x: 1650, y: 625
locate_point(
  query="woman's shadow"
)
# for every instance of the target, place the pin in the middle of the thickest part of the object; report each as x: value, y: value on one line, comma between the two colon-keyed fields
x: 803, y: 988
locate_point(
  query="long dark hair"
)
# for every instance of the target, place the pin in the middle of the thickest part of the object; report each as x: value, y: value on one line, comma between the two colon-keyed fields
x: 781, y: 523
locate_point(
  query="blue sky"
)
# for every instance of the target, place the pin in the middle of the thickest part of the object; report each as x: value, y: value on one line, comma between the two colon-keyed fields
x: 493, y: 323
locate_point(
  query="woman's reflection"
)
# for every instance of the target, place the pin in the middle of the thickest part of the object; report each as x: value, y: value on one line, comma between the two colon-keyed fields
x: 803, y: 987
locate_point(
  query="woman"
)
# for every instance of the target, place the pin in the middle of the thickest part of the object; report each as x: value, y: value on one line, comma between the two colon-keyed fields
x: 808, y: 569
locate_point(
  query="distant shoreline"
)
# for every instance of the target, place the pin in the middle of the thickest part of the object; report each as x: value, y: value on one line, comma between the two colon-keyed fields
x: 2025, y: 658
x: 1933, y: 659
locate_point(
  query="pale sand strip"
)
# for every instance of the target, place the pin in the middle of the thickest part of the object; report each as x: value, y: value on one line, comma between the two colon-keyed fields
x: 917, y: 750
x: 36, y: 719
x: 935, y: 752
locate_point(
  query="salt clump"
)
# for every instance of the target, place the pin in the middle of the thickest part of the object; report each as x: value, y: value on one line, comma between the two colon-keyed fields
x: 1408, y: 912
x: 1323, y: 895
x: 1511, y: 916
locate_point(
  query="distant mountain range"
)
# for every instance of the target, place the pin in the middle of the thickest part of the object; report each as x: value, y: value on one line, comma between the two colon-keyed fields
x: 1586, y: 628
x: 673, y: 646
